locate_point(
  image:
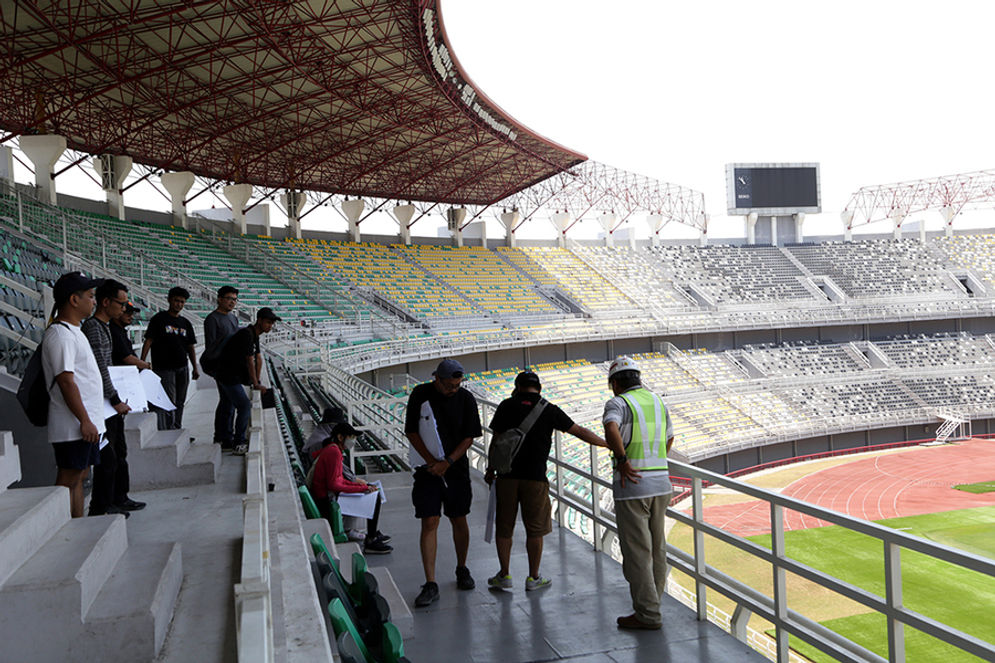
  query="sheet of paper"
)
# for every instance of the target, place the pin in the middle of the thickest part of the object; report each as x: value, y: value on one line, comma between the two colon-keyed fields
x: 154, y: 392
x: 109, y: 410
x: 103, y: 437
x: 380, y: 491
x: 361, y: 505
x: 129, y: 387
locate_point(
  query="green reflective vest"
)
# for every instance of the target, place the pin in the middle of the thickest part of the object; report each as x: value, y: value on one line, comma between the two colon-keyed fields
x: 647, y: 450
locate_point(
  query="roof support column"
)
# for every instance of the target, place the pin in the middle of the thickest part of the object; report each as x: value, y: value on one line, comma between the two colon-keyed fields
x: 44, y: 151
x: 897, y: 217
x: 510, y: 220
x: 655, y: 223
x: 607, y: 221
x: 178, y: 185
x: 561, y: 221
x: 353, y: 209
x: 454, y: 219
x: 293, y: 202
x: 773, y: 231
x: 799, y: 222
x: 948, y: 214
x: 6, y: 163
x: 846, y: 216
x: 403, y: 214
x: 751, y: 228
x: 238, y: 195
x: 113, y: 170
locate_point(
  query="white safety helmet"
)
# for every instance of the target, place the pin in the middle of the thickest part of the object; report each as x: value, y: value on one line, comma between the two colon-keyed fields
x: 620, y: 364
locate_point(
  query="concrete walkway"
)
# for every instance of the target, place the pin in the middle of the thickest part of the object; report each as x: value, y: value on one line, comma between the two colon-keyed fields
x: 574, y: 619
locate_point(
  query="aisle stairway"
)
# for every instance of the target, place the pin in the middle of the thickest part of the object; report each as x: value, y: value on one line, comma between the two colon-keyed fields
x: 101, y: 598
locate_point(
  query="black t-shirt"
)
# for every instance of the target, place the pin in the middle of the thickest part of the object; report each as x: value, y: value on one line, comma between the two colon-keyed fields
x: 456, y: 418
x: 171, y: 338
x: 231, y: 368
x: 530, y: 462
x: 121, y: 346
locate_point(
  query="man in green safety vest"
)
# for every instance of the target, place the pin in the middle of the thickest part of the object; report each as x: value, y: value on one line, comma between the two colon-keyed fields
x: 638, y: 431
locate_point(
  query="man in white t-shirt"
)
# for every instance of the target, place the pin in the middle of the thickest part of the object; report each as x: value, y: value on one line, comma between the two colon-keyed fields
x: 75, y: 411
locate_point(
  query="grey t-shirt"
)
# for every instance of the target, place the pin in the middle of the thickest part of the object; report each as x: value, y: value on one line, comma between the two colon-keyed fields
x: 652, y: 482
x: 218, y: 327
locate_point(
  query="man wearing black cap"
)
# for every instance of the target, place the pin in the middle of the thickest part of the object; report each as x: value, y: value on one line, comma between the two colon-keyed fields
x: 75, y: 411
x: 241, y: 365
x: 171, y: 338
x: 441, y: 422
x: 526, y: 483
x: 122, y: 350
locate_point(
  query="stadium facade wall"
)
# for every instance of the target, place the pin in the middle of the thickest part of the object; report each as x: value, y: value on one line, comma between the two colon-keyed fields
x: 599, y: 351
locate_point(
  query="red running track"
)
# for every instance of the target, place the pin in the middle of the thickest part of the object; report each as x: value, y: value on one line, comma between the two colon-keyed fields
x: 907, y: 483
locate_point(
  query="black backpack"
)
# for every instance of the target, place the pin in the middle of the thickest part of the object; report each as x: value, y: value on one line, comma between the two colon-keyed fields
x: 31, y: 393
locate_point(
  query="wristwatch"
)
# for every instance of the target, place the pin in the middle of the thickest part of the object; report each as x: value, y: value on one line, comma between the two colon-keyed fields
x: 621, y: 459
x: 449, y: 460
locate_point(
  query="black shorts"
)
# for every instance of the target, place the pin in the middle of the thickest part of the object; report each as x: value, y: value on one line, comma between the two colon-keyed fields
x: 76, y: 455
x: 430, y: 493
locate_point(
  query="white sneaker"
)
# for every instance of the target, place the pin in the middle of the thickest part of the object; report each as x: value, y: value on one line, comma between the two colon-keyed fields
x: 356, y: 535
x: 538, y: 582
x: 500, y: 581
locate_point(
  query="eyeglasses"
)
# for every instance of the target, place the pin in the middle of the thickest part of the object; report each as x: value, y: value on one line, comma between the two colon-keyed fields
x: 120, y: 302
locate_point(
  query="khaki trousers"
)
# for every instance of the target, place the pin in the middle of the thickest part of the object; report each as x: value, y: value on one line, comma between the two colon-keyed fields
x: 643, y: 541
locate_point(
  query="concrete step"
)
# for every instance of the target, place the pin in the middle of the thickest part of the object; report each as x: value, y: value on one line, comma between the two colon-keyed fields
x: 28, y: 518
x: 10, y: 461
x: 139, y: 428
x: 130, y: 617
x: 400, y: 613
x: 63, y: 578
x: 167, y: 459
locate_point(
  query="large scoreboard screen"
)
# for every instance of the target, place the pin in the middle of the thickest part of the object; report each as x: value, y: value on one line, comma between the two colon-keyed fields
x: 773, y: 189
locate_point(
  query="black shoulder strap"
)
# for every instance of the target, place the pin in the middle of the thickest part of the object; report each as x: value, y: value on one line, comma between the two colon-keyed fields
x: 532, y: 417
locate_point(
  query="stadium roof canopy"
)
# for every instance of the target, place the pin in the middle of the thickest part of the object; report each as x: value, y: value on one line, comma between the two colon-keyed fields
x: 359, y: 97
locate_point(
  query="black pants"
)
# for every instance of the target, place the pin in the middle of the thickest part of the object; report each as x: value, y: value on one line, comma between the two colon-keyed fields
x: 325, y: 509
x: 175, y: 382
x: 111, y: 481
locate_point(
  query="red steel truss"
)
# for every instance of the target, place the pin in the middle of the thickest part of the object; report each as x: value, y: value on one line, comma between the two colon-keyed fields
x: 357, y: 98
x: 593, y: 187
x: 949, y: 195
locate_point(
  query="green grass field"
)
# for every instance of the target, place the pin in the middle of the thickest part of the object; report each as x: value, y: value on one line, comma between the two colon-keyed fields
x: 936, y: 589
x: 977, y: 488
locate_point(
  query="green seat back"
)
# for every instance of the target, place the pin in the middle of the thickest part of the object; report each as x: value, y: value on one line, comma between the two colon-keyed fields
x: 342, y: 624
x: 338, y: 526
x: 393, y: 644
x: 358, y: 588
x: 310, y: 508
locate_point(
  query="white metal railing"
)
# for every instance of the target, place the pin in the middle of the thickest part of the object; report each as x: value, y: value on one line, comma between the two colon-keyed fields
x: 253, y: 600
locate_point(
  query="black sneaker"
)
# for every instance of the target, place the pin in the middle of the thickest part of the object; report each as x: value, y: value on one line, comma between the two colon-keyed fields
x: 131, y: 505
x: 376, y: 547
x: 429, y: 595
x: 463, y: 578
x: 380, y: 536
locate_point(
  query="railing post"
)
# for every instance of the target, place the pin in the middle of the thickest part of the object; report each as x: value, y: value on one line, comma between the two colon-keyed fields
x: 780, y: 581
x: 595, y: 499
x: 700, y: 590
x: 558, y: 450
x: 893, y: 596
x: 20, y: 211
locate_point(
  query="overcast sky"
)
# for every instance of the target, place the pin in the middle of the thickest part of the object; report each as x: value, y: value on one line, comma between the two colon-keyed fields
x: 876, y: 92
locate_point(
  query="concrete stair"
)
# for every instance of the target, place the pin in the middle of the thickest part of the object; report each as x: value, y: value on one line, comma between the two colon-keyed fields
x: 73, y: 589
x: 165, y: 459
x: 10, y: 462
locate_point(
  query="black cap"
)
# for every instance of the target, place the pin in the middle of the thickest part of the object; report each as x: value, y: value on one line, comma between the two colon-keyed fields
x: 131, y: 308
x: 71, y: 282
x: 449, y: 368
x: 527, y: 379
x: 266, y: 313
x: 344, y: 429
